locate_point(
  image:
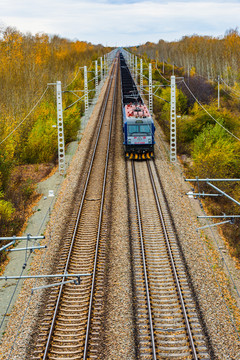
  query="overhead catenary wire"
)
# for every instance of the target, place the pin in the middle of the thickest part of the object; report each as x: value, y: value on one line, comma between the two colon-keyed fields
x: 227, y: 92
x: 232, y: 90
x: 145, y: 90
x: 162, y: 75
x: 21, y: 122
x: 82, y: 67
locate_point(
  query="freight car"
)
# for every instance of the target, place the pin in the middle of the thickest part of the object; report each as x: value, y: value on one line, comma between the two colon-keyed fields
x: 138, y: 126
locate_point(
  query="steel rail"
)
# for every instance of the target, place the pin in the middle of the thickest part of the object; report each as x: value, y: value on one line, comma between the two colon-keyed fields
x: 144, y: 261
x: 103, y: 110
x: 100, y: 221
x: 194, y: 352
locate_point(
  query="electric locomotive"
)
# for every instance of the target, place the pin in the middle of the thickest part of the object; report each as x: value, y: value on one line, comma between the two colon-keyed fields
x: 138, y: 126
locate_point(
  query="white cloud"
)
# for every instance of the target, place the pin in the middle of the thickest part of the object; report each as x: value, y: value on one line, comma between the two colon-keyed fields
x: 117, y: 22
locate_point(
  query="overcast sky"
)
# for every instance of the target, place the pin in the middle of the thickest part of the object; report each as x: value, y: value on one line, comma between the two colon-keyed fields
x: 121, y: 22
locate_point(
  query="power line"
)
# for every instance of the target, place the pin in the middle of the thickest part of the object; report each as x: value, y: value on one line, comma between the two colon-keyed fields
x: 162, y: 76
x: 25, y: 117
x: 233, y: 91
x: 74, y: 77
x: 229, y: 132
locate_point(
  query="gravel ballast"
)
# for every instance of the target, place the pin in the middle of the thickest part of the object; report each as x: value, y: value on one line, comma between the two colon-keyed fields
x: 199, y: 254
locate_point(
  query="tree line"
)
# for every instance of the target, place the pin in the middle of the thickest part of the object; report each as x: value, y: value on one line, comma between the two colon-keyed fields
x: 205, y: 55
x: 27, y: 64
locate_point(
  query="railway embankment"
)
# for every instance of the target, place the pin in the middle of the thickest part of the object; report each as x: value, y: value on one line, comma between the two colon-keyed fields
x: 52, y: 212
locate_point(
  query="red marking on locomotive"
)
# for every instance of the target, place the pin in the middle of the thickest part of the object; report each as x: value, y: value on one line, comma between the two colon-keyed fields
x: 138, y: 111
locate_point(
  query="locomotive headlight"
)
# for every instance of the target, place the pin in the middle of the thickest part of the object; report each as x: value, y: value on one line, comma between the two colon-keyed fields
x: 149, y: 141
x: 129, y: 141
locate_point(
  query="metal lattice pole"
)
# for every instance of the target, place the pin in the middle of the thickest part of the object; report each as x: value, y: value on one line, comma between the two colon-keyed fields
x: 136, y: 69
x: 173, y: 134
x: 131, y: 63
x: 85, y: 89
x: 133, y: 69
x: 96, y: 75
x: 101, y: 68
x: 150, y: 99
x: 104, y: 65
x: 141, y: 76
x: 61, y: 144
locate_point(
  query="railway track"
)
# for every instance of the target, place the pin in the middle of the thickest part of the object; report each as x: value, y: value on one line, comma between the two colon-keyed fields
x: 167, y: 322
x: 71, y: 325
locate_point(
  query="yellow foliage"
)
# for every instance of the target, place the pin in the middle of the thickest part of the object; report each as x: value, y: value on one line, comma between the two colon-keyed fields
x: 79, y: 46
x: 192, y: 71
x: 6, y: 210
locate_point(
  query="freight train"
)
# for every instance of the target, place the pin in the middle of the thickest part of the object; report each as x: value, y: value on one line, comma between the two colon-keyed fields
x: 138, y: 126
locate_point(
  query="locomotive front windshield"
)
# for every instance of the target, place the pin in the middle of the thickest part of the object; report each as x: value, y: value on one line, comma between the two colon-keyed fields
x: 136, y: 129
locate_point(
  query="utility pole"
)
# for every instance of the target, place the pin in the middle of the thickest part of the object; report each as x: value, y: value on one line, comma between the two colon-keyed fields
x: 85, y: 89
x: 61, y: 144
x: 150, y: 101
x: 173, y: 134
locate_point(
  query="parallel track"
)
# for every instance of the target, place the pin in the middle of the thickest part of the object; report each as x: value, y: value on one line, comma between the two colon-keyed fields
x: 64, y: 331
x: 167, y: 323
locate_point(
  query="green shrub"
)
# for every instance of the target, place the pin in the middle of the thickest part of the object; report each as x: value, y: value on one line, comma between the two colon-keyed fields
x: 215, y: 154
x: 6, y: 209
x: 42, y: 142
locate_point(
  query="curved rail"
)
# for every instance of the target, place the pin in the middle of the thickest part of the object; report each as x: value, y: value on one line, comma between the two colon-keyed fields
x: 78, y: 216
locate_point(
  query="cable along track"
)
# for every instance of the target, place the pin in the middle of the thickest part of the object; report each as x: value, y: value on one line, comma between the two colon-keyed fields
x: 64, y: 331
x: 167, y: 323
